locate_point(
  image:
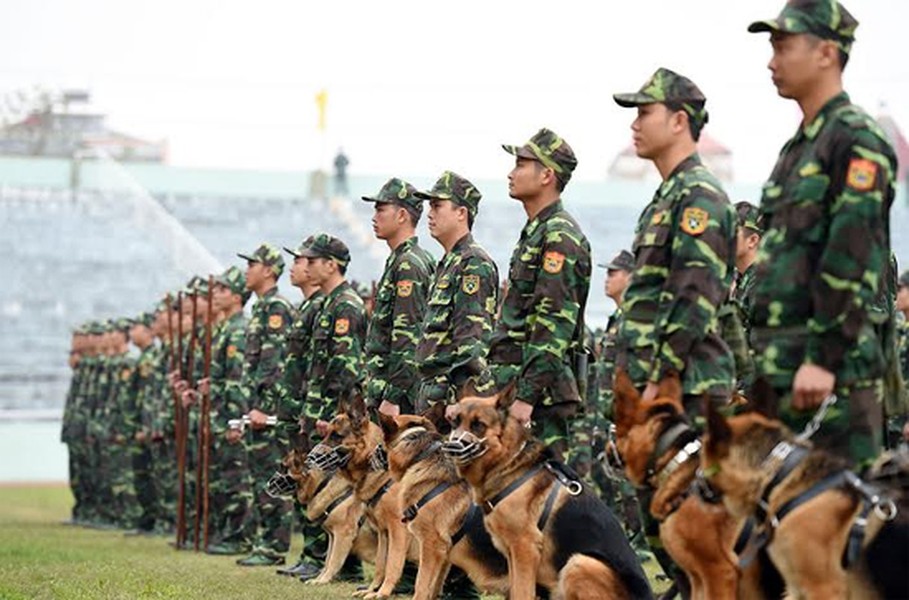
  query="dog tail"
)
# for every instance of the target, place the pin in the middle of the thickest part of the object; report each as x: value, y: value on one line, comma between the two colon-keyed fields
x: 587, y: 578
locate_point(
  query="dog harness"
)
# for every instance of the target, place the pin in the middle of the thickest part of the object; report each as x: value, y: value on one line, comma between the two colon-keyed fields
x: 677, y: 434
x: 759, y: 528
x: 573, y: 487
x: 378, y: 495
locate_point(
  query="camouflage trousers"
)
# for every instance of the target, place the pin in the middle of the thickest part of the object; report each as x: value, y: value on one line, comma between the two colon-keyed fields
x: 146, y: 494
x: 231, y: 515
x: 852, y: 428
x: 164, y: 474
x: 125, y: 505
x: 273, y: 516
x: 77, y: 458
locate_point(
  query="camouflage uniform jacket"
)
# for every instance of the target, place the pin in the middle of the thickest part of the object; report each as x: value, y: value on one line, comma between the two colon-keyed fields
x: 296, y: 361
x: 548, y: 282
x: 336, y: 351
x: 266, y: 332
x: 117, y: 418
x: 143, y: 376
x: 394, y: 328
x: 743, y: 294
x: 81, y: 408
x: 460, y: 314
x: 902, y: 346
x: 605, y: 364
x: 161, y: 404
x: 72, y: 396
x: 826, y: 243
x: 227, y: 357
x: 684, y: 251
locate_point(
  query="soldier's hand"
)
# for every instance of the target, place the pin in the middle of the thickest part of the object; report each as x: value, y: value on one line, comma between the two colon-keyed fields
x: 181, y: 385
x: 322, y: 427
x: 189, y: 397
x: 140, y: 436
x: 257, y: 419
x: 204, y: 385
x: 521, y: 411
x: 234, y: 436
x: 389, y: 409
x: 120, y: 439
x: 172, y: 377
x: 811, y: 385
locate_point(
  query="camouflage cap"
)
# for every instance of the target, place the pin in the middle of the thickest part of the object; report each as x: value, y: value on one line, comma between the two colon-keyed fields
x: 146, y: 319
x: 451, y: 186
x: 397, y: 191
x: 96, y: 328
x: 748, y: 215
x: 904, y: 279
x: 269, y: 256
x: 326, y: 246
x: 668, y: 86
x: 827, y: 19
x: 549, y: 149
x: 234, y: 279
x: 298, y: 253
x: 623, y: 261
x: 190, y: 288
x: 122, y: 324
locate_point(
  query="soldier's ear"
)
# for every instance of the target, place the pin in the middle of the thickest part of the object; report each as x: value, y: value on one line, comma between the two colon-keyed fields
x: 356, y: 409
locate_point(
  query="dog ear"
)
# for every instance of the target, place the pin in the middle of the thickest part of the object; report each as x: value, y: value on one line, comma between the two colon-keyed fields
x: 435, y: 414
x: 763, y: 399
x: 468, y: 390
x: 356, y: 409
x: 671, y: 387
x: 719, y: 434
x: 627, y: 399
x: 507, y: 396
x: 389, y: 426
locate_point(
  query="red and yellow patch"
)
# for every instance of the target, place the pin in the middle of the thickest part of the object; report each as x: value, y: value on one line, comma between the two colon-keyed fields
x: 342, y: 326
x: 275, y: 321
x: 470, y: 284
x: 861, y: 174
x: 553, y: 262
x: 405, y: 288
x: 694, y: 220
x: 231, y: 351
x: 124, y: 375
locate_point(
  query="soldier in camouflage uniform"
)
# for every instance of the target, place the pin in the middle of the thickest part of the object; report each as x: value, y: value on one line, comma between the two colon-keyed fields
x: 266, y: 335
x: 461, y: 309
x: 684, y: 251
x: 76, y: 352
x: 540, y: 334
x: 142, y: 336
x: 898, y: 425
x: 158, y: 417
x: 400, y: 300
x: 79, y: 419
x: 826, y: 209
x: 231, y: 522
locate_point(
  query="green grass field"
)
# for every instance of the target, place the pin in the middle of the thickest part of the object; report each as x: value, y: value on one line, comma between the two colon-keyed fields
x: 40, y: 558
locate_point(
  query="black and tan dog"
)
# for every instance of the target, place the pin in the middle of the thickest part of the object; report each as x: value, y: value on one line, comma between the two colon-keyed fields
x: 438, y: 510
x: 330, y: 502
x: 661, y: 450
x: 353, y: 444
x: 830, y: 534
x: 556, y: 535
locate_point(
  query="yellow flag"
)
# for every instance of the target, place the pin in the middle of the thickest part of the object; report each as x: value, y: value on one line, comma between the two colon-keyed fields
x: 321, y: 102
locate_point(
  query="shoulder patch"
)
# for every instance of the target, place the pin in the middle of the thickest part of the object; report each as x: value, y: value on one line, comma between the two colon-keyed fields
x: 275, y: 321
x: 231, y: 351
x: 405, y: 288
x: 553, y: 262
x: 694, y: 220
x: 342, y: 326
x: 861, y: 173
x: 124, y: 375
x: 470, y: 284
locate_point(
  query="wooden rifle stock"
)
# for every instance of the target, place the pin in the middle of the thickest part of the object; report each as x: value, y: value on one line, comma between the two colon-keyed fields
x: 179, y: 434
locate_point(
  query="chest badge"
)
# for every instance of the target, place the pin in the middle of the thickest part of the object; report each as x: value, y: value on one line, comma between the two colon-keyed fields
x: 694, y: 220
x: 553, y: 262
x: 471, y: 284
x: 275, y: 321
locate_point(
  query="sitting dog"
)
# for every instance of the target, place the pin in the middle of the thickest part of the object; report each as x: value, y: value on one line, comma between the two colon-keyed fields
x: 830, y: 534
x: 439, y: 514
x: 353, y: 445
x: 330, y: 502
x: 660, y: 449
x: 556, y: 535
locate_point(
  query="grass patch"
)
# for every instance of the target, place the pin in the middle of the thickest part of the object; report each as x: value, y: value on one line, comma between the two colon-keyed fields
x: 40, y: 558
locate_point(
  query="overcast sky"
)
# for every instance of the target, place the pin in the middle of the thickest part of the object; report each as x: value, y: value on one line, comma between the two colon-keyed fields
x: 418, y: 87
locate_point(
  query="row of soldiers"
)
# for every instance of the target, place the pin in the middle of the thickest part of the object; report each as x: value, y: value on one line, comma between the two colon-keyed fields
x: 799, y: 294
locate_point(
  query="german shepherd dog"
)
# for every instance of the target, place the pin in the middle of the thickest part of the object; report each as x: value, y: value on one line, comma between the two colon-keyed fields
x: 660, y: 449
x: 556, y: 536
x: 353, y: 444
x: 330, y: 502
x: 830, y: 534
x: 439, y: 514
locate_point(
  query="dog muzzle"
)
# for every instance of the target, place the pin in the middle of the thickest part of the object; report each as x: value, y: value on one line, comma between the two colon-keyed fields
x: 378, y: 460
x: 280, y: 485
x: 326, y: 458
x: 464, y: 447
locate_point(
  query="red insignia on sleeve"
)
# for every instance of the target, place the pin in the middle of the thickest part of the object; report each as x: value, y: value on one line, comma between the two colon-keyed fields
x: 405, y: 288
x: 342, y: 326
x: 275, y: 321
x: 861, y: 173
x: 553, y: 261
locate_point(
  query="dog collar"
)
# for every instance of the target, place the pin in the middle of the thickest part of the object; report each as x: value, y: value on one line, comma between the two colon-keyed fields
x: 688, y: 451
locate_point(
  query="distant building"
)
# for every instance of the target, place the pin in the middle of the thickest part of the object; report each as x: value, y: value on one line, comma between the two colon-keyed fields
x: 49, y: 125
x: 715, y: 155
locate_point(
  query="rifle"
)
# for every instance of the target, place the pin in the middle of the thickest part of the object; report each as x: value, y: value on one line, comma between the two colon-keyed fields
x: 204, y: 429
x: 190, y: 363
x: 178, y: 433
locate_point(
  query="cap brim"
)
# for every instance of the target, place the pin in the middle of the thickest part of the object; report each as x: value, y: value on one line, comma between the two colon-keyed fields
x: 291, y: 252
x: 368, y: 199
x: 520, y: 151
x: 310, y: 253
x: 768, y: 25
x: 632, y: 100
x: 428, y: 196
x: 249, y: 258
x: 771, y: 25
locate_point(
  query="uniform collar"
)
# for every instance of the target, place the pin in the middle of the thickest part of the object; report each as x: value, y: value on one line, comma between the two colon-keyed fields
x: 541, y: 216
x: 810, y: 130
x: 342, y: 287
x: 405, y: 246
x: 462, y: 243
x: 693, y: 160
